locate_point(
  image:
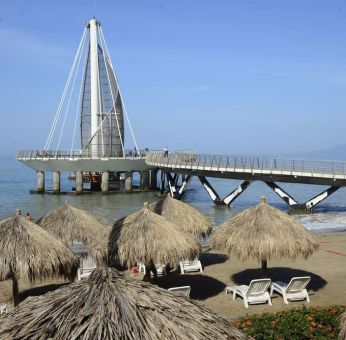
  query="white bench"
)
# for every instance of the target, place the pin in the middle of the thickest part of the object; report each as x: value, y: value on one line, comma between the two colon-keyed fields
x: 3, y: 310
x: 86, y: 267
x: 181, y: 291
x: 190, y: 266
x: 160, y: 269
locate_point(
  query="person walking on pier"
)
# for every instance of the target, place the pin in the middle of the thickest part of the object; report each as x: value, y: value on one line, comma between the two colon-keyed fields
x: 165, y: 152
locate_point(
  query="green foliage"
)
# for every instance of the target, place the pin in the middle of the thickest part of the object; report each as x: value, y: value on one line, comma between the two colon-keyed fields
x: 298, y: 323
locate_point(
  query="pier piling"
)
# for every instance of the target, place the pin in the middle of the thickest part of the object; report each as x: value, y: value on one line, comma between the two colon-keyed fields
x: 79, y: 181
x: 105, y: 182
x: 56, y: 182
x: 128, y: 181
x: 40, y: 181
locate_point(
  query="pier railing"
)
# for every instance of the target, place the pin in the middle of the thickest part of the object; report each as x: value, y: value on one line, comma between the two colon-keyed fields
x: 248, y: 164
x: 77, y: 154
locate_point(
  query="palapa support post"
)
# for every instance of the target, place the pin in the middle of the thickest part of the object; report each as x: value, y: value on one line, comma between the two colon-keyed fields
x: 295, y: 206
x: 264, y: 268
x: 15, y: 290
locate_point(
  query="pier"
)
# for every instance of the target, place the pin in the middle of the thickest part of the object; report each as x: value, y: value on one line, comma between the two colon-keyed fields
x: 180, y: 167
x: 101, y: 155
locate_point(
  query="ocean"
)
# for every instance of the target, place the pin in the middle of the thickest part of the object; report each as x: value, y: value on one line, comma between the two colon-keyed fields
x: 17, y: 179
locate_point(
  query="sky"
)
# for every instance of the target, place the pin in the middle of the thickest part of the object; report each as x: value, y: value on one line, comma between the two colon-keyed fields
x: 216, y: 76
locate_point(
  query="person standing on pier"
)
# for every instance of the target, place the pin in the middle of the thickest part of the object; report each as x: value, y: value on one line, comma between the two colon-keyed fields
x: 165, y: 152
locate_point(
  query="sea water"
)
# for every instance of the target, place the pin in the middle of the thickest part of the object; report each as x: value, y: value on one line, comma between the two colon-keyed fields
x: 16, y: 180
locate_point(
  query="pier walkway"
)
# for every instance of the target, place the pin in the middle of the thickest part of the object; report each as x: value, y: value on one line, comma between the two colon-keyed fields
x: 249, y: 168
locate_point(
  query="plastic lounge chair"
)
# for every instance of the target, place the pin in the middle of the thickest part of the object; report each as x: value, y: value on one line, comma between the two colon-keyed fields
x: 256, y: 292
x: 3, y: 310
x: 190, y: 266
x: 160, y: 269
x: 293, y: 291
x: 181, y: 291
x: 86, y: 267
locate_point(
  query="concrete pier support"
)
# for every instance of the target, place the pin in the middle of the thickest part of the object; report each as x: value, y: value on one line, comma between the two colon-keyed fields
x: 105, y: 182
x: 153, y: 179
x: 56, y: 182
x: 40, y: 181
x: 79, y: 181
x: 128, y: 181
x: 145, y: 183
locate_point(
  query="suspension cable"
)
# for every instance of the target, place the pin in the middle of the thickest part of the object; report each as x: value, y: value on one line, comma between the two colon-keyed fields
x: 79, y: 100
x: 79, y: 57
x: 57, y: 115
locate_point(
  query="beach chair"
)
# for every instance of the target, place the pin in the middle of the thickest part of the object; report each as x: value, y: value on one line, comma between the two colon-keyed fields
x: 86, y: 267
x: 190, y: 266
x: 256, y: 292
x: 181, y: 291
x: 160, y: 269
x: 295, y: 290
x: 3, y: 310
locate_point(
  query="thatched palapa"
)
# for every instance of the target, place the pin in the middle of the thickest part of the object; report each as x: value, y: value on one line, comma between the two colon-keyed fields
x: 144, y: 236
x: 262, y: 233
x: 186, y: 217
x: 29, y: 252
x: 342, y: 335
x: 69, y: 224
x: 109, y: 306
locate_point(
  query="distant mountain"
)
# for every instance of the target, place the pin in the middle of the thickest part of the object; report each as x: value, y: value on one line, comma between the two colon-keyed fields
x: 334, y: 153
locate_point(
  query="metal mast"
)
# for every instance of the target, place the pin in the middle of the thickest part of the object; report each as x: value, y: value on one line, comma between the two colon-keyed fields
x: 102, y: 122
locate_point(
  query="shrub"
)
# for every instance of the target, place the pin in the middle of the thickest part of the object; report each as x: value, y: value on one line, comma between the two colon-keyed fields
x: 298, y: 323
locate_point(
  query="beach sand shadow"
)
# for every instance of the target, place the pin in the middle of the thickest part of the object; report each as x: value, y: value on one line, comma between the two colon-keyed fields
x: 202, y: 286
x: 279, y: 274
x: 37, y: 291
x: 208, y: 259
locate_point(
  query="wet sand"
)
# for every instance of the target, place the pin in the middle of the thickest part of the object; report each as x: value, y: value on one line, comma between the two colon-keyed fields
x: 327, y: 268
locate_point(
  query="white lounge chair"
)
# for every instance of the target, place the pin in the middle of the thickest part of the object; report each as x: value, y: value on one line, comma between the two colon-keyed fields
x: 293, y: 291
x: 190, y: 266
x: 86, y: 267
x: 256, y: 292
x: 160, y: 269
x: 3, y: 310
x: 181, y: 291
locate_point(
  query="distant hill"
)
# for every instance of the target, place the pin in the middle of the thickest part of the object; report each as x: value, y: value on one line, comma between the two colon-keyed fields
x: 336, y: 153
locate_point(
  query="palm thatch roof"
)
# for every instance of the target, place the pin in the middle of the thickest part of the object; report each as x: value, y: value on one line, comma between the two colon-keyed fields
x: 342, y: 335
x: 29, y: 252
x: 109, y: 306
x: 99, y: 248
x: 69, y: 224
x: 262, y: 233
x: 144, y: 236
x: 188, y: 218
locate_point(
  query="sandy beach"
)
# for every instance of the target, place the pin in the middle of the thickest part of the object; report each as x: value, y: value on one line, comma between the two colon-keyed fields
x: 326, y: 268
